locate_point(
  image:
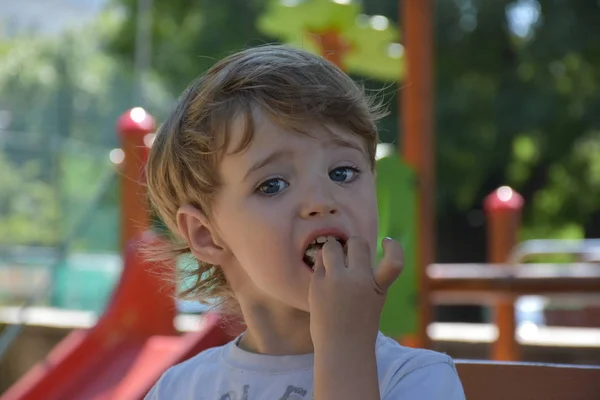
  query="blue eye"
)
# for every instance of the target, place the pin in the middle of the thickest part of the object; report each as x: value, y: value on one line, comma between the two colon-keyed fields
x: 344, y: 174
x: 272, y: 186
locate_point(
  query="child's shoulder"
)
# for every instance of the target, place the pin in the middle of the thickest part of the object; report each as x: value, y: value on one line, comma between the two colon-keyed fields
x: 208, y: 358
x: 396, y: 361
x: 202, y: 365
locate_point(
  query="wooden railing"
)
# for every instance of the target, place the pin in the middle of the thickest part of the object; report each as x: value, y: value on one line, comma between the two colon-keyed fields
x: 491, y: 283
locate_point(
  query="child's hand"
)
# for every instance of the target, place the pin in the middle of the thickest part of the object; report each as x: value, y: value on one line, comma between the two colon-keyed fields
x: 346, y: 295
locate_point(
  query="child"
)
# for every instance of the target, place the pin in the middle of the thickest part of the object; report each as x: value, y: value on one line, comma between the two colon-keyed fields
x: 265, y: 173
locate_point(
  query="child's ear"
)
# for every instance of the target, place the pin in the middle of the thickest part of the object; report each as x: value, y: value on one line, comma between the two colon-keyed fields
x: 195, y: 229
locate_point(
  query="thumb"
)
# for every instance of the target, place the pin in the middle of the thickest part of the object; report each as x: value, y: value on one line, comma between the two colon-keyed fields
x: 391, y: 266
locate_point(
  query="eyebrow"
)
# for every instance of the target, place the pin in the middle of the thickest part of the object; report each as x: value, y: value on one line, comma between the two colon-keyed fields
x: 288, y: 153
x: 271, y: 158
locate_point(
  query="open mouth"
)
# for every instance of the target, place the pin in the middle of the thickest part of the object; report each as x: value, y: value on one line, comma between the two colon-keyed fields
x: 310, y: 253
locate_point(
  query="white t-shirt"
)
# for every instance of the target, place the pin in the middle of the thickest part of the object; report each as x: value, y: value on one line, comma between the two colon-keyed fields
x: 230, y: 373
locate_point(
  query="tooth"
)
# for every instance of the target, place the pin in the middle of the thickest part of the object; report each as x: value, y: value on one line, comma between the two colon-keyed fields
x: 321, y: 239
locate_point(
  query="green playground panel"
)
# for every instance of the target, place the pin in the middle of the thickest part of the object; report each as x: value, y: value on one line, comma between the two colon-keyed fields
x: 86, y: 281
x: 397, y: 202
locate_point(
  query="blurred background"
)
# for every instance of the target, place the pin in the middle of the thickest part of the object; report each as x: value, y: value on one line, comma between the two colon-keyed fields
x: 516, y: 103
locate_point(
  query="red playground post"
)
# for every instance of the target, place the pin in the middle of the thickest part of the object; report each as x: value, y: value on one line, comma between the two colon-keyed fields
x: 134, y: 127
x: 503, y: 210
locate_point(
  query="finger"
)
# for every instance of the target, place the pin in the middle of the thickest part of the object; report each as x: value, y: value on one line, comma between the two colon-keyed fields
x: 333, y: 255
x: 391, y: 266
x: 319, y: 268
x: 359, y: 254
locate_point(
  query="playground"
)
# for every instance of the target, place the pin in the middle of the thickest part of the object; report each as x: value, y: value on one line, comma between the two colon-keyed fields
x: 79, y: 324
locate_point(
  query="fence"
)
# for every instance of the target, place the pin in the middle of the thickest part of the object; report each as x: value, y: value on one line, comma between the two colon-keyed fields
x: 58, y: 222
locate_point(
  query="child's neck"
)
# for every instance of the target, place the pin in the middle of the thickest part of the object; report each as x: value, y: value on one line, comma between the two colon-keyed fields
x: 275, y: 330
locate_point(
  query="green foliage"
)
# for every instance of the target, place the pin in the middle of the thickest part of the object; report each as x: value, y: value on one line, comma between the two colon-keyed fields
x: 520, y: 110
x: 29, y: 209
x: 189, y: 36
x: 67, y: 87
x: 62, y: 96
x: 84, y: 172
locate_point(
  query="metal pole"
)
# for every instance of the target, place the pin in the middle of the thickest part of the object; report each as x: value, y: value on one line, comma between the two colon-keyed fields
x: 143, y: 49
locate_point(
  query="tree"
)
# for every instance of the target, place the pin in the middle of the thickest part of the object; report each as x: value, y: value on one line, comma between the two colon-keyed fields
x: 519, y: 109
x: 189, y: 36
x: 28, y: 207
x: 59, y: 101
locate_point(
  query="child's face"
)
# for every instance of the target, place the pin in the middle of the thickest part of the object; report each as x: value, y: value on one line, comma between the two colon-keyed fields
x: 280, y: 193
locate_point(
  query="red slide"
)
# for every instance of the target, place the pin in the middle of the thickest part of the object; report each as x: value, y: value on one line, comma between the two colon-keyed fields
x: 132, y: 344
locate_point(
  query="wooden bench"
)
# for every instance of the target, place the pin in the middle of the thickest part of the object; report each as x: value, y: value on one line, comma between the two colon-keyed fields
x: 486, y: 380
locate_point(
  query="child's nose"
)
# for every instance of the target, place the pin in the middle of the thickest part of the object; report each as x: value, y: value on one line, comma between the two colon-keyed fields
x: 317, y: 203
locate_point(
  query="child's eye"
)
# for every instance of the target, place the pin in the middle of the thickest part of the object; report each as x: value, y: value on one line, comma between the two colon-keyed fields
x: 344, y: 174
x: 272, y: 186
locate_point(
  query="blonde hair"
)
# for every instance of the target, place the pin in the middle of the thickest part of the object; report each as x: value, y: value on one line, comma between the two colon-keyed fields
x: 292, y: 86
